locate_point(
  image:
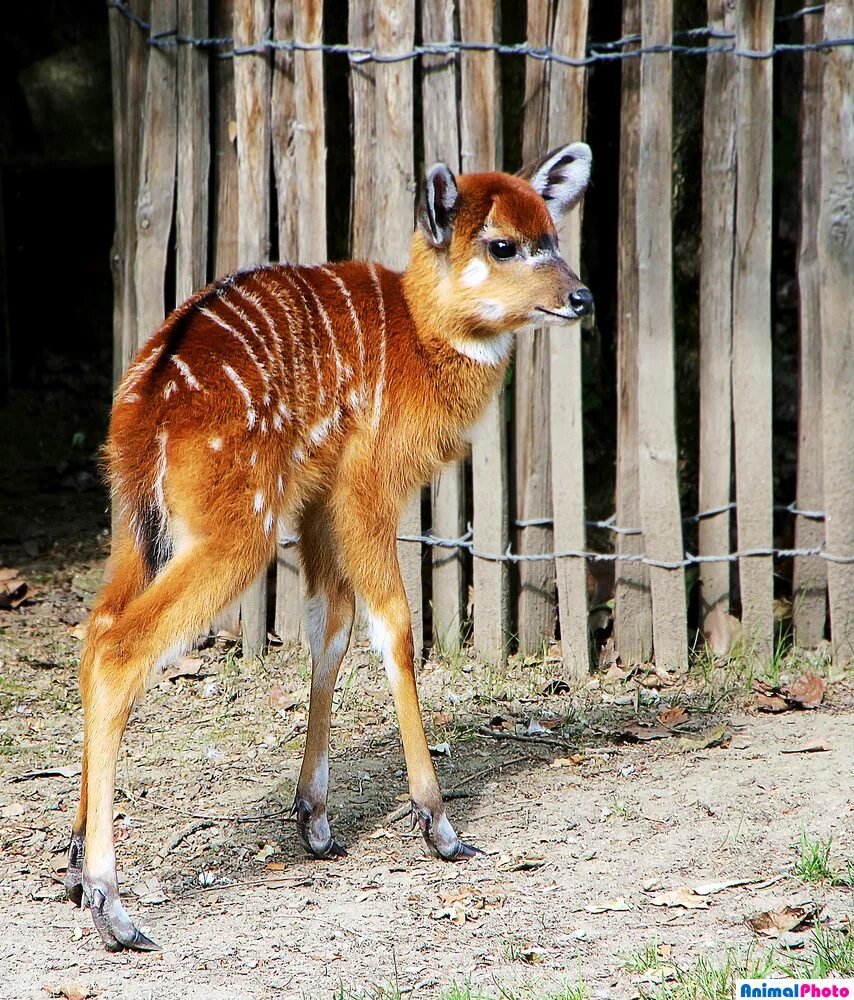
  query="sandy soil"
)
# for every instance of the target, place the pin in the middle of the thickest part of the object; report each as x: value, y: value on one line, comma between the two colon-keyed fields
x: 574, y: 817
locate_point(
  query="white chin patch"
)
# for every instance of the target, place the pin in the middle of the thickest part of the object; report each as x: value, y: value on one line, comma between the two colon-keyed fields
x: 474, y: 273
x: 486, y: 350
x: 490, y: 311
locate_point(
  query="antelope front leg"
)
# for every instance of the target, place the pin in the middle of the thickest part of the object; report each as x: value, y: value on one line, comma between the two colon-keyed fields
x: 391, y: 636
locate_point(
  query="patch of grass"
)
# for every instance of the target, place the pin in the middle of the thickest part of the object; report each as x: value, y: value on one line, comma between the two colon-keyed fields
x: 830, y: 951
x: 644, y: 959
x: 710, y: 979
x: 813, y: 864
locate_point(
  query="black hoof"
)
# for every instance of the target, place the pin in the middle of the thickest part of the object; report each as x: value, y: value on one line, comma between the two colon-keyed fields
x: 314, y: 833
x: 111, y: 920
x: 73, y: 881
x: 440, y: 838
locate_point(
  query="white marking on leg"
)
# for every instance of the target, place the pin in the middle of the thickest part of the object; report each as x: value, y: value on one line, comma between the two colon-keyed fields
x: 258, y: 502
x: 184, y: 369
x: 244, y: 392
x: 379, y: 387
x: 474, y: 273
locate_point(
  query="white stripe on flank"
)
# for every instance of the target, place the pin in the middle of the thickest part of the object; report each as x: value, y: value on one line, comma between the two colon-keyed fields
x: 378, y: 389
x: 136, y: 371
x: 258, y: 503
x: 160, y: 478
x: 184, y: 369
x: 255, y: 301
x: 244, y: 392
x: 262, y: 371
x: 357, y: 326
x: 297, y: 367
x: 327, y: 323
x: 321, y: 391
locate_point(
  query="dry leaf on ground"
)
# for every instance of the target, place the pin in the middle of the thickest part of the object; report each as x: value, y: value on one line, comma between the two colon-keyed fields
x: 66, y: 771
x: 519, y: 862
x: 609, y: 906
x: 13, y: 590
x: 710, y: 887
x: 773, y: 923
x: 770, y: 703
x: 714, y: 737
x: 640, y: 732
x: 674, y: 716
x: 71, y: 991
x: 571, y: 761
x: 807, y: 691
x: 684, y: 896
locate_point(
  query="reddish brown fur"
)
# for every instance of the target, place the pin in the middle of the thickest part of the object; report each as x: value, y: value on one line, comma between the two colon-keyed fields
x: 333, y: 425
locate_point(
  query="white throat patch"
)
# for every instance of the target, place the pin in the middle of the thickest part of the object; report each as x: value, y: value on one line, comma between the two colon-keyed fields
x: 491, y: 351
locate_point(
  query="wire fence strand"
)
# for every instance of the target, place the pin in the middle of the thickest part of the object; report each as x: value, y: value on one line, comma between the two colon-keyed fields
x: 628, y: 47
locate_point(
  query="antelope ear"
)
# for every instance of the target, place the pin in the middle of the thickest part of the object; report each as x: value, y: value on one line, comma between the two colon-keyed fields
x: 560, y: 177
x: 439, y: 206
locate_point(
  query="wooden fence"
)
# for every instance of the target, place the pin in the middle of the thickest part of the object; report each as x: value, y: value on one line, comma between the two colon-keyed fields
x: 222, y: 152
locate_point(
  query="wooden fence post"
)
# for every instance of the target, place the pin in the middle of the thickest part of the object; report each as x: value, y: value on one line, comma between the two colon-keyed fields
x: 716, y: 290
x: 480, y: 150
x: 129, y: 60
x: 809, y: 583
x: 531, y: 430
x: 566, y: 112
x: 384, y: 194
x: 751, y: 361
x: 156, y: 193
x: 632, y: 598
x: 252, y: 100
x: 659, y: 487
x: 194, y: 154
x: 836, y: 266
x: 442, y: 142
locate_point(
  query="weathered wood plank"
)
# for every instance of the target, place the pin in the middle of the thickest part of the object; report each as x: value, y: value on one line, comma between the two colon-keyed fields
x: 156, y: 191
x: 284, y: 123
x: 661, y: 519
x: 836, y: 263
x: 809, y: 584
x: 384, y: 195
x: 252, y: 102
x: 567, y: 113
x: 224, y: 192
x: 311, y: 135
x: 480, y: 144
x: 751, y: 360
x: 194, y: 152
x: 632, y: 600
x: 716, y: 291
x: 535, y: 612
x: 128, y: 63
x: 447, y: 497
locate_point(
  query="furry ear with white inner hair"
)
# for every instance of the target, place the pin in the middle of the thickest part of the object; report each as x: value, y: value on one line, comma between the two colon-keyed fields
x: 439, y: 206
x: 560, y: 177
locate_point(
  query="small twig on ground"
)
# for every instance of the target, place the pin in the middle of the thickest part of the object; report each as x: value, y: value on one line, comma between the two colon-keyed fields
x: 182, y: 835
x: 220, y: 819
x: 541, y: 740
x: 270, y: 883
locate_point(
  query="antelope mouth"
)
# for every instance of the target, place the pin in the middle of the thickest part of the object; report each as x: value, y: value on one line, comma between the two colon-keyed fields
x: 567, y: 315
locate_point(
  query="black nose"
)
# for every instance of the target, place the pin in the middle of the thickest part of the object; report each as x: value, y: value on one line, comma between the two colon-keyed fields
x: 581, y: 301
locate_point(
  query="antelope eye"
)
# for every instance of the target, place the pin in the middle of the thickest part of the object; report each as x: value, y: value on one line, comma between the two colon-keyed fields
x: 502, y: 249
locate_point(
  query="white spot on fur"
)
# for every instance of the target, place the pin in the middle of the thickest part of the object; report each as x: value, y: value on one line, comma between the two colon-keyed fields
x: 491, y: 311
x: 263, y: 425
x: 474, y: 273
x: 253, y: 459
x: 215, y: 444
x: 268, y: 522
x: 285, y: 412
x: 298, y: 455
x: 280, y: 486
x: 491, y: 351
x: 103, y: 620
x: 169, y: 389
x: 321, y: 429
x: 258, y: 504
x: 277, y: 422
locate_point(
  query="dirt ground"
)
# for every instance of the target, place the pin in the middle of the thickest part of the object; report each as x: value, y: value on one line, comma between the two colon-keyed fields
x: 584, y: 825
